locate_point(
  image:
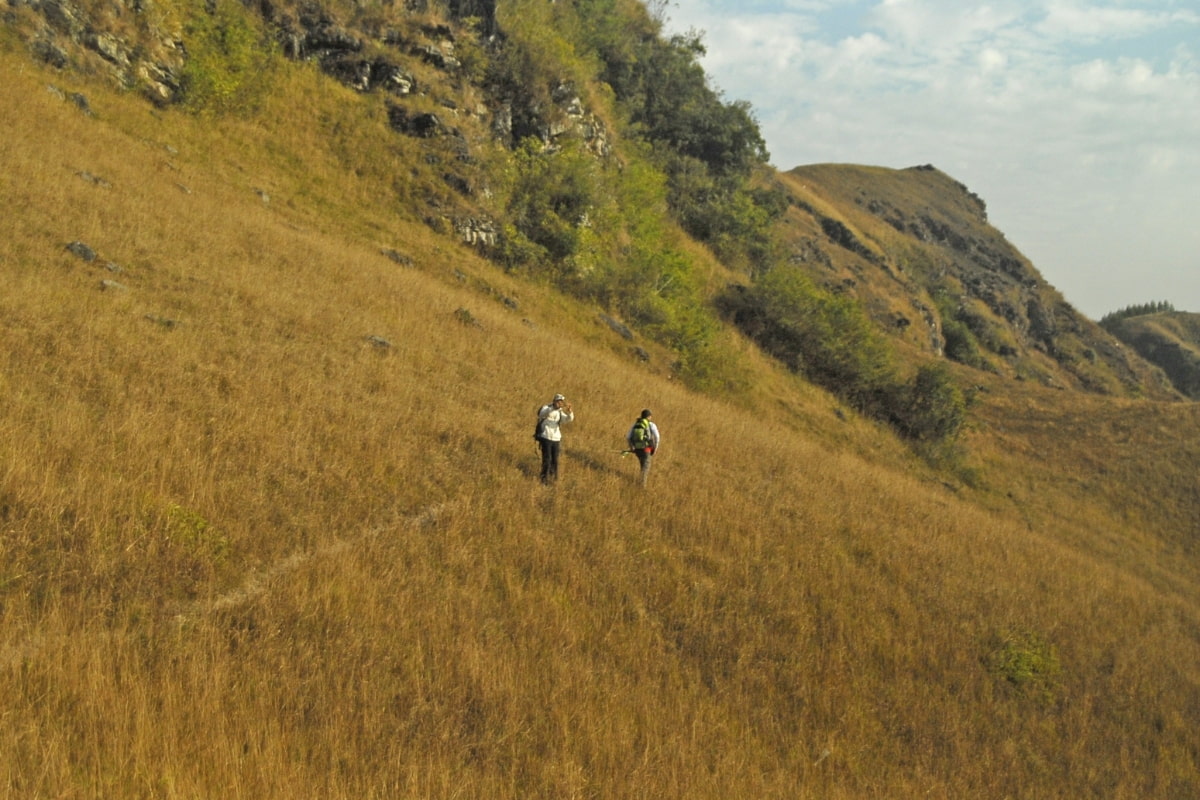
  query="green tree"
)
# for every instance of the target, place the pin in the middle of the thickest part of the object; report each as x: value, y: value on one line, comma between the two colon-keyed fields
x: 673, y: 104
x: 1161, y: 306
x: 709, y: 148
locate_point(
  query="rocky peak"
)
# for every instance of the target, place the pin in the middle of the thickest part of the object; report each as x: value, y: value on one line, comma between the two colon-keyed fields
x: 915, y: 247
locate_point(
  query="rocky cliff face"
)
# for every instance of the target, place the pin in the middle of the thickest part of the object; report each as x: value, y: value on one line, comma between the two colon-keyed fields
x: 400, y: 55
x: 135, y: 42
x: 139, y: 44
x: 915, y: 247
x: 422, y: 67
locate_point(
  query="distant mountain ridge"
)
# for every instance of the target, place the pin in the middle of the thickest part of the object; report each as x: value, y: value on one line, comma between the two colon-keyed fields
x: 1169, y: 340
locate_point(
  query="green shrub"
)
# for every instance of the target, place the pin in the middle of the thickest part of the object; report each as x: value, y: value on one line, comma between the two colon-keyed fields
x: 961, y: 345
x: 188, y: 529
x: 830, y: 340
x: 549, y: 199
x: 537, y: 57
x: 1026, y: 661
x: 989, y: 335
x: 603, y: 236
x: 826, y: 337
x: 736, y: 221
x: 229, y: 58
x: 935, y: 407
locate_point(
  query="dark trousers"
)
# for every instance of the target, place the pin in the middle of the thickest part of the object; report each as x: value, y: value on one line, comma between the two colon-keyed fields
x: 645, y: 458
x: 549, y: 459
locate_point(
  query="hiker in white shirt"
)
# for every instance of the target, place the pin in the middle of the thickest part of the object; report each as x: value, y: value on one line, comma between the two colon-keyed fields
x: 551, y: 418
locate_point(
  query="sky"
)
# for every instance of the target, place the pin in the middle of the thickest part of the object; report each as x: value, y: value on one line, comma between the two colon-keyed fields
x: 1077, y: 122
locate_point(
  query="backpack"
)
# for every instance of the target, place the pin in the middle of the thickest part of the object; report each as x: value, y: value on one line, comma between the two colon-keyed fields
x: 639, y: 437
x: 539, y: 430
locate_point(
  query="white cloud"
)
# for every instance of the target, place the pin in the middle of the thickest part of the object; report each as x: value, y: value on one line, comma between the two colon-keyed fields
x: 778, y: 40
x: 941, y: 28
x: 1079, y: 22
x: 1094, y: 76
x: 859, y: 58
x: 992, y: 61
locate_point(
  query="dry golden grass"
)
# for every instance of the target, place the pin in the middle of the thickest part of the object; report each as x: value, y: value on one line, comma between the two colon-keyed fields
x: 245, y: 553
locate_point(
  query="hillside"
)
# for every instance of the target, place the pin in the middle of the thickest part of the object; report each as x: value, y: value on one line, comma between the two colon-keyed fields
x: 915, y: 248
x: 1169, y: 340
x: 269, y: 518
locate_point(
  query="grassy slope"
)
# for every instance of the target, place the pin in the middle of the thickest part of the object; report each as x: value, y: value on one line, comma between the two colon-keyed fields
x: 251, y: 555
x: 1169, y: 340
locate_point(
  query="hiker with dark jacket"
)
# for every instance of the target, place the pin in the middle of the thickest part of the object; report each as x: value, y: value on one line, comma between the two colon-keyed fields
x: 551, y: 418
x: 643, y: 442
